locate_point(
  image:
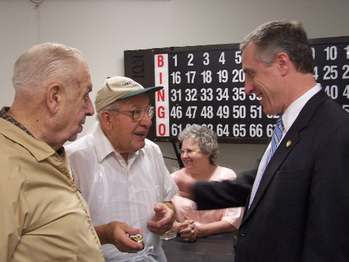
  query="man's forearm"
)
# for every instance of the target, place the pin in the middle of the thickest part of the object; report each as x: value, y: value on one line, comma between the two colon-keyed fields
x: 216, y: 195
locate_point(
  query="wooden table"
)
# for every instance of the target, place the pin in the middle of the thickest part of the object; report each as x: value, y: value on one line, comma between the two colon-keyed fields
x: 212, y: 248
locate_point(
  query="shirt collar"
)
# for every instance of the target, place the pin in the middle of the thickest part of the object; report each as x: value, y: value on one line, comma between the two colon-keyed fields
x: 6, y: 116
x: 39, y: 152
x: 295, y: 108
x: 104, y: 147
x: 39, y: 149
x: 102, y: 144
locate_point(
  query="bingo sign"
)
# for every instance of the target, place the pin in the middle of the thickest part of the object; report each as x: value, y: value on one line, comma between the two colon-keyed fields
x: 205, y: 85
x: 162, y: 96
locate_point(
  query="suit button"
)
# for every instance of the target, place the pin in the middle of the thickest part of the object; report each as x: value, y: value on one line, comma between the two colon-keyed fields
x: 242, y: 234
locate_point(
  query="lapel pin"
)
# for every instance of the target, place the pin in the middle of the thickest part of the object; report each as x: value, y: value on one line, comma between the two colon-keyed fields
x: 288, y: 143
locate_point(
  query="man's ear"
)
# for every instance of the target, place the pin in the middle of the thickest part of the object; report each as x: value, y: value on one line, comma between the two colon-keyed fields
x: 105, y: 118
x: 283, y: 63
x: 54, y: 97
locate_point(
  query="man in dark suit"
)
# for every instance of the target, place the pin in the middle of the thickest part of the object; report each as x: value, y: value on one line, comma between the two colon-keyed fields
x: 299, y: 206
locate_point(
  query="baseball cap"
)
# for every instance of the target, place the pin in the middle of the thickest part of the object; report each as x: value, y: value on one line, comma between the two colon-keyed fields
x: 120, y: 87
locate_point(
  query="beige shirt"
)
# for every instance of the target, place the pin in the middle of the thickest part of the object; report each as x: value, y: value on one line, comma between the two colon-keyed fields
x: 43, y: 216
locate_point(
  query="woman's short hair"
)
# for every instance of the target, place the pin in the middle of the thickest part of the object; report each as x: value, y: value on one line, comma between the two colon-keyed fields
x: 206, y: 138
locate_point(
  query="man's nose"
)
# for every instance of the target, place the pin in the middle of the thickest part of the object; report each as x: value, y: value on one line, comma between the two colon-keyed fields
x: 89, y: 108
x: 249, y: 88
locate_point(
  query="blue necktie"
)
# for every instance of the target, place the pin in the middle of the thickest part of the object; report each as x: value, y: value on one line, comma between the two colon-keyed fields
x: 275, y: 141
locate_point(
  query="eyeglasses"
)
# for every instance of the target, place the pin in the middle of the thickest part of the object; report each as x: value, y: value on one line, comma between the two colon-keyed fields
x: 138, y: 114
x: 189, y: 151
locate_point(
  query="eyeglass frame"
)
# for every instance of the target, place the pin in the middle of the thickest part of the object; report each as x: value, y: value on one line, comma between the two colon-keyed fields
x: 189, y: 151
x: 148, y: 109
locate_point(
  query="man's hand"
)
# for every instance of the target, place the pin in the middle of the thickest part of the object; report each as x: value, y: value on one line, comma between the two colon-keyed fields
x: 116, y: 233
x: 186, y: 186
x: 163, y: 218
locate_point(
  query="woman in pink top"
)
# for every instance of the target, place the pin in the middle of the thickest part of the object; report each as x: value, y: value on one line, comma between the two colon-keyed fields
x: 198, y: 153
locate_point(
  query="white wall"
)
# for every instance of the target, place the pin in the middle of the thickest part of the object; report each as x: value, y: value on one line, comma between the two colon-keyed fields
x: 103, y: 29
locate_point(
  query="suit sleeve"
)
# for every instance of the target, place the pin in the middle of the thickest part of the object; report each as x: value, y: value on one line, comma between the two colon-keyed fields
x: 225, y: 194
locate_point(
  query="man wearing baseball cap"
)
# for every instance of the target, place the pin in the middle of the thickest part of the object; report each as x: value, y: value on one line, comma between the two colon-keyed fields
x: 122, y: 175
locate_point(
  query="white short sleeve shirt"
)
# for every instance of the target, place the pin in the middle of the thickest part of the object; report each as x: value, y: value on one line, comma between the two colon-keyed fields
x: 116, y: 191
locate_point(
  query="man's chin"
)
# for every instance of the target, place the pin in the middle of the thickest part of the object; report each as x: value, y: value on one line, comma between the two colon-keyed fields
x: 139, y: 146
x: 73, y: 137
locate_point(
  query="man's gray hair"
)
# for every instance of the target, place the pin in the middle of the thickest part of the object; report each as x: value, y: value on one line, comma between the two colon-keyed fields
x: 47, y: 61
x: 281, y: 36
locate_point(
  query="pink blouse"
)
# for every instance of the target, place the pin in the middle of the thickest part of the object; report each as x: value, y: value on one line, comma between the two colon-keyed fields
x: 187, y: 208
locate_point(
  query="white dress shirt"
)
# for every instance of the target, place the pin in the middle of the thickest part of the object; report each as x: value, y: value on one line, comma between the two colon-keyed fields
x: 120, y: 191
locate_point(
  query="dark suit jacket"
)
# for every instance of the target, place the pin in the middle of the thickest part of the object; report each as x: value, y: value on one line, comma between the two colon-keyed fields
x: 301, y: 209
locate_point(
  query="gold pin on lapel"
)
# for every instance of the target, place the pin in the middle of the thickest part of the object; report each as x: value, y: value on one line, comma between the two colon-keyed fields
x: 288, y: 143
